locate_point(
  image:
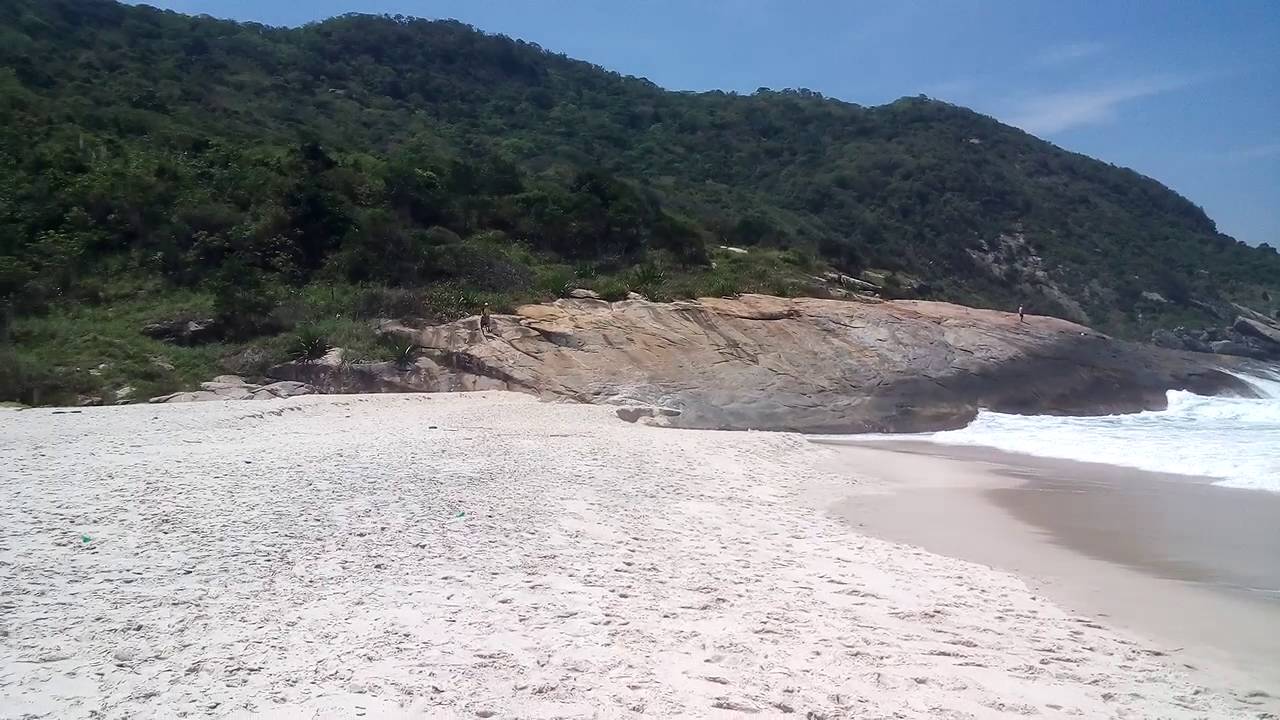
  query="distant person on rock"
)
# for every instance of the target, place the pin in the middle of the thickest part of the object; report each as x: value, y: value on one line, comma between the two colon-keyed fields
x: 1022, y: 316
x: 486, y: 322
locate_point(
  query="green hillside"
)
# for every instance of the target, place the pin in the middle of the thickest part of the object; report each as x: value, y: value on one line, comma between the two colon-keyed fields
x: 155, y: 166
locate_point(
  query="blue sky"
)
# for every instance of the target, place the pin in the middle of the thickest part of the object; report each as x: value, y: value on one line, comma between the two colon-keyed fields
x: 1185, y: 91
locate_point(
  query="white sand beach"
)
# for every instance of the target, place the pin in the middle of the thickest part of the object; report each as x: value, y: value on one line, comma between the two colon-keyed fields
x: 488, y: 555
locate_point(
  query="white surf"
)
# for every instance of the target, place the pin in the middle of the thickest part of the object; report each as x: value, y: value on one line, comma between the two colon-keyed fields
x: 1234, y: 440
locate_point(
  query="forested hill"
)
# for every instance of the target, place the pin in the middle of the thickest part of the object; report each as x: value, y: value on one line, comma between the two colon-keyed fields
x: 155, y: 165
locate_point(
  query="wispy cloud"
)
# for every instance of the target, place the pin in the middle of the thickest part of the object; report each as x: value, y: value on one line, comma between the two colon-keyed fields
x: 1063, y: 54
x: 970, y: 85
x: 1253, y: 152
x: 1058, y: 111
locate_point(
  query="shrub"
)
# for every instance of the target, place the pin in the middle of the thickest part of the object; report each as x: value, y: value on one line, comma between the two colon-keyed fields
x: 385, y: 302
x: 554, y: 281
x: 721, y: 286
x: 647, y: 279
x: 399, y: 350
x: 308, y: 345
x: 448, y: 302
x: 609, y: 288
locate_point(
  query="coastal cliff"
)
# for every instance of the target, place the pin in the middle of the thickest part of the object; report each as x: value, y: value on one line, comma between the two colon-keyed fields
x: 803, y: 364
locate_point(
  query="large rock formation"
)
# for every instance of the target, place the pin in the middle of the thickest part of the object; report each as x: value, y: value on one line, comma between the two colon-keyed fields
x: 796, y: 364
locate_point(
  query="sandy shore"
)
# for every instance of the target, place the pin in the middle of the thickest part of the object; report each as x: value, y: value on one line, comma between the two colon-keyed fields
x: 1190, y: 565
x: 487, y: 555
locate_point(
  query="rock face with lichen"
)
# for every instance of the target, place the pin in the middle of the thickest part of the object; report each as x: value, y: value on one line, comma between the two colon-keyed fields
x: 799, y: 364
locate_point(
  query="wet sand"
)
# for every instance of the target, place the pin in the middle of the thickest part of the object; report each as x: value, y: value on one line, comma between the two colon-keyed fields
x: 1190, y: 565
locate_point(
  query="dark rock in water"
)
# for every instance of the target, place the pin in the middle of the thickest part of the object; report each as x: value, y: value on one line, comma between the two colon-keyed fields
x: 800, y: 364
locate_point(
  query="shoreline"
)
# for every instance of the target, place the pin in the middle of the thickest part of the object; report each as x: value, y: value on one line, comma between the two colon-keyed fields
x: 1172, y: 558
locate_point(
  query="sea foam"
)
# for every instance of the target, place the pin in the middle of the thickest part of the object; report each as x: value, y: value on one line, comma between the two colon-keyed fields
x: 1235, y: 440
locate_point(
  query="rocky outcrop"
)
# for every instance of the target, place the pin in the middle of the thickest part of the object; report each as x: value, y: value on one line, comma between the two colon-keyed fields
x: 431, y: 372
x: 1252, y: 337
x: 1264, y: 331
x: 1181, y: 339
x: 185, y: 331
x: 793, y: 364
x: 231, y: 387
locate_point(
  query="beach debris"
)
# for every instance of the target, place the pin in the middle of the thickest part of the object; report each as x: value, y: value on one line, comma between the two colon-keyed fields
x: 86, y: 539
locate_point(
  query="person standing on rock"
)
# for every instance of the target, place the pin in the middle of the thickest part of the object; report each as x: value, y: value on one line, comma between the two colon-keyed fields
x: 486, y: 322
x: 1022, y: 316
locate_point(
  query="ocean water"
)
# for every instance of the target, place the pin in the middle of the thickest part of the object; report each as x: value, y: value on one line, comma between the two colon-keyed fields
x: 1235, y: 440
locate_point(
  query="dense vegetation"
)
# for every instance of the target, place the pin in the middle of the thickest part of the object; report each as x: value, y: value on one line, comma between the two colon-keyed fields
x: 154, y: 165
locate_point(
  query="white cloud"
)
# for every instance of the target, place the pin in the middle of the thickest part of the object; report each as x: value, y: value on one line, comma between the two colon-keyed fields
x: 1062, y: 54
x: 1055, y: 112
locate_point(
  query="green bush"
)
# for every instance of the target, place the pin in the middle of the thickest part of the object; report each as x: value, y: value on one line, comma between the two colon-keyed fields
x: 308, y: 345
x: 609, y: 288
x: 647, y: 279
x: 400, y: 351
x: 554, y: 281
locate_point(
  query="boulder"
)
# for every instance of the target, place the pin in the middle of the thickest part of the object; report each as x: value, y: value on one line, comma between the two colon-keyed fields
x: 1180, y: 339
x: 1237, y: 348
x: 283, y: 389
x: 249, y: 361
x: 1257, y: 329
x: 1255, y: 315
x: 230, y: 387
x: 634, y: 413
x: 584, y: 294
x: 229, y: 391
x: 185, y: 331
x: 841, y: 279
x: 196, y: 396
